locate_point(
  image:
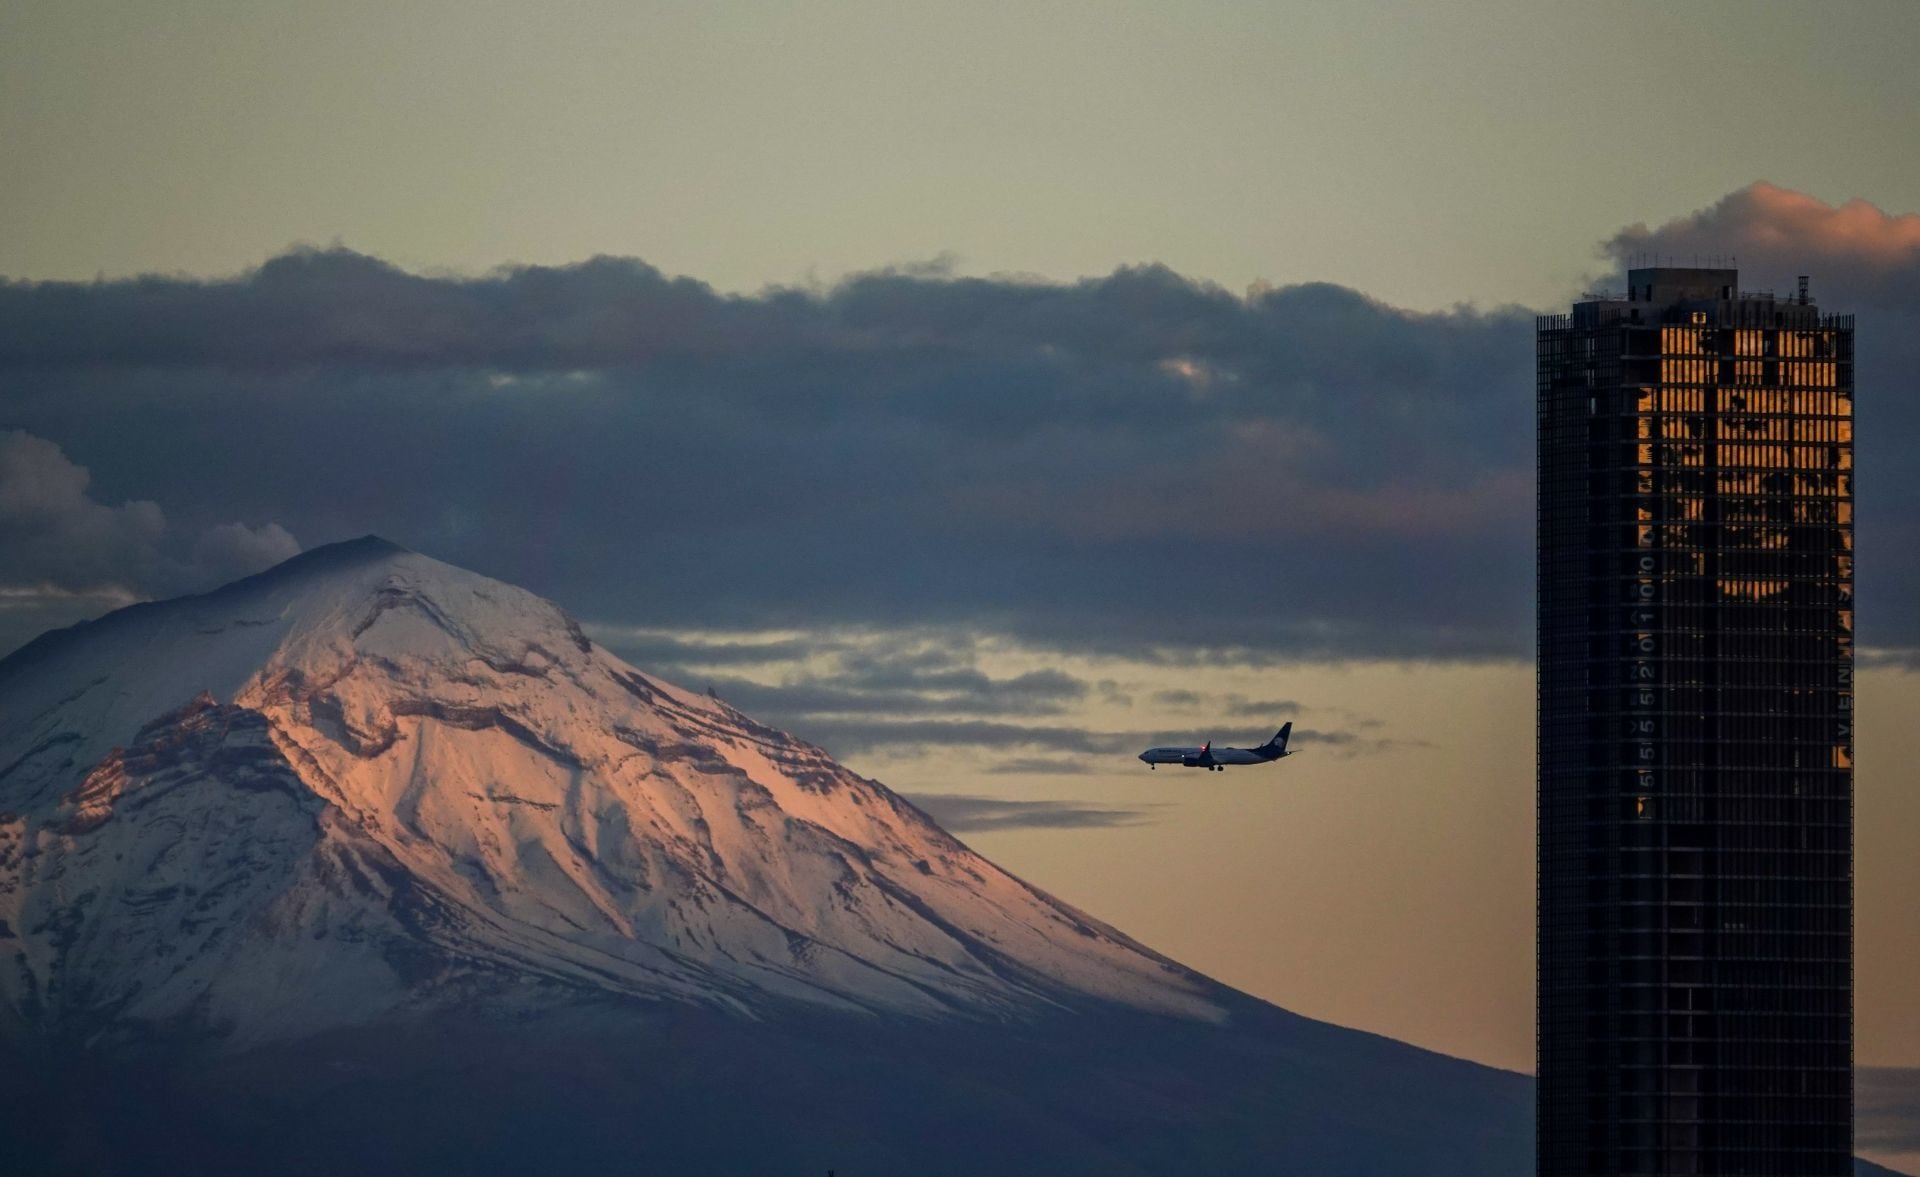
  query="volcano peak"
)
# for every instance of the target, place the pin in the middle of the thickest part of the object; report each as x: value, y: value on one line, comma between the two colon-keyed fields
x: 457, y: 779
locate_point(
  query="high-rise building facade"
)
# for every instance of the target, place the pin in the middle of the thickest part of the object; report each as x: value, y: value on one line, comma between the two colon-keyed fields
x: 1695, y: 732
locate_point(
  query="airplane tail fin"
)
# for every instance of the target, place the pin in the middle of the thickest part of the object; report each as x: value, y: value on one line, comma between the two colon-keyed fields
x: 1278, y: 744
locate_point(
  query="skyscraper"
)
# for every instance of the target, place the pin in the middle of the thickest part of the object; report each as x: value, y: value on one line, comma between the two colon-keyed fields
x: 1695, y: 732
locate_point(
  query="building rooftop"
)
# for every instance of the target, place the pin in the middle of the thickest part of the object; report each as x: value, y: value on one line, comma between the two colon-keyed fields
x: 1707, y: 295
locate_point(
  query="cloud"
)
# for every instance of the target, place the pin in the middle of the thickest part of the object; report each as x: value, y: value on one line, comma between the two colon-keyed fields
x: 1282, y: 708
x: 1235, y: 706
x: 52, y: 531
x: 330, y: 308
x: 789, y: 679
x: 1140, y: 462
x: 964, y: 813
x: 1346, y: 745
x: 1039, y: 766
x: 1887, y: 1110
x: 65, y: 556
x: 1904, y: 658
x: 1871, y: 254
x: 40, y: 596
x: 651, y: 648
x: 227, y: 551
x: 849, y: 737
x: 959, y: 692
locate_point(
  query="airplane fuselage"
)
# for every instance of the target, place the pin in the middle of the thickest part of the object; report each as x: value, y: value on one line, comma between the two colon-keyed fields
x: 1209, y: 757
x: 1205, y: 758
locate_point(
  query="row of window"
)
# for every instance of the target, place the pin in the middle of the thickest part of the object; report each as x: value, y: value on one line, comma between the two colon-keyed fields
x: 1749, y: 375
x: 1728, y: 756
x: 1758, y: 976
x: 1730, y: 836
x: 1673, y: 701
x: 1755, y: 1028
x: 1701, y: 509
x: 1603, y: 491
x: 1821, y: 1008
x: 1743, y: 428
x: 1677, y: 1162
x: 1814, y: 629
x: 1683, y: 579
x: 1739, y: 455
x: 1732, y: 1086
x: 1768, y: 1075
x: 1721, y: 1003
x: 1698, y: 655
x: 1676, y: 482
x: 1753, y: 564
x: 1692, y: 341
x: 1705, y: 655
x: 1813, y: 641
x: 1827, y: 847
x: 1729, y: 1052
x: 1697, y: 535
x: 1707, y: 738
x: 1703, y: 786
x: 1615, y: 670
x: 1725, y: 877
x: 1649, y: 901
x: 1806, y: 832
x: 1715, y: 757
x: 1771, y: 401
x: 1615, y: 470
x: 1806, y: 552
x: 1730, y: 864
x: 1700, y: 726
x: 1723, y: 946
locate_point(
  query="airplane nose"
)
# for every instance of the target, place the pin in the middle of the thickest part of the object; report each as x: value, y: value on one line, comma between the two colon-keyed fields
x: 1142, y: 758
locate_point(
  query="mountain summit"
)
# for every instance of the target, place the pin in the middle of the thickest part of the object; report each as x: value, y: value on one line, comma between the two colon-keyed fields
x: 369, y: 864
x: 365, y: 780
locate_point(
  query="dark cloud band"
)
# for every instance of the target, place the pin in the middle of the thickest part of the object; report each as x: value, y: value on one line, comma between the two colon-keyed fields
x: 964, y: 814
x: 1139, y: 464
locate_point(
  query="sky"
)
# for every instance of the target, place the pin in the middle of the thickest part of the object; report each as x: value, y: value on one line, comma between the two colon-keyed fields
x: 981, y: 391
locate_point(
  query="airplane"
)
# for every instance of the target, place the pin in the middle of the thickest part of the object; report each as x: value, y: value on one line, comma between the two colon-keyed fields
x: 1208, y: 757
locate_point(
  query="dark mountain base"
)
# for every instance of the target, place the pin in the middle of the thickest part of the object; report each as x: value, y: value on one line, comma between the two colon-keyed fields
x: 670, y: 1090
x: 673, y: 1091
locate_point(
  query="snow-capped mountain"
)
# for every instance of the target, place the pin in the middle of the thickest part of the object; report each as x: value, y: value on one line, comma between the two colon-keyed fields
x: 366, y: 782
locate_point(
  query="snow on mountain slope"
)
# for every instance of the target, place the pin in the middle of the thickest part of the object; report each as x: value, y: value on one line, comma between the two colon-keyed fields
x: 366, y: 781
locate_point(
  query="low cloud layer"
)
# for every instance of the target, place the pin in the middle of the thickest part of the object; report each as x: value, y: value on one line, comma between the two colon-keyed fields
x: 65, y: 555
x: 52, y: 531
x: 919, y: 692
x: 1887, y: 1113
x: 1858, y: 250
x: 963, y: 813
x: 1140, y: 464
